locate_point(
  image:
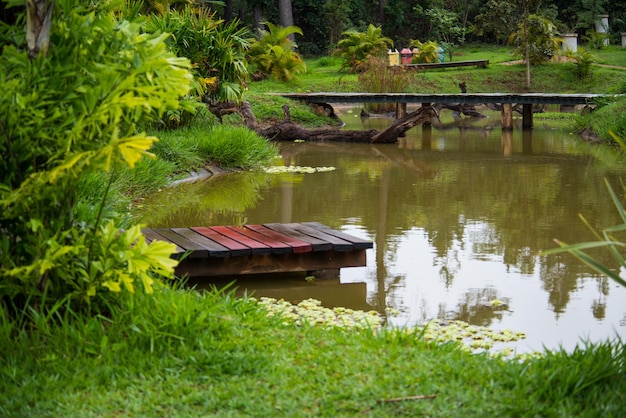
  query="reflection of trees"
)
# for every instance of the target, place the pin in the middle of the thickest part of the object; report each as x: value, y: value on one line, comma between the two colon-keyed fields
x: 475, y: 308
x: 599, y: 305
x: 219, y: 201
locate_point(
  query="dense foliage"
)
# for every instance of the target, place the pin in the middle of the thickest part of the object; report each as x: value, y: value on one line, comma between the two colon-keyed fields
x: 452, y: 22
x: 216, y: 49
x: 77, y: 110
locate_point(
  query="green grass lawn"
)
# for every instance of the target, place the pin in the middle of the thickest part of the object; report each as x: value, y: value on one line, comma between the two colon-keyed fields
x: 323, y: 74
x: 180, y: 353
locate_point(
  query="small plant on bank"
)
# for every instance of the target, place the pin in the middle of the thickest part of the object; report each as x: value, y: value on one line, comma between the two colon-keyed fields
x: 356, y: 47
x: 273, y: 53
x: 596, y: 40
x: 583, y: 63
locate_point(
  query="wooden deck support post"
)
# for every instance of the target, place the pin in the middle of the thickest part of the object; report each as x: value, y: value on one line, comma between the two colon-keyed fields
x: 400, y: 110
x: 507, y: 116
x: 527, y: 116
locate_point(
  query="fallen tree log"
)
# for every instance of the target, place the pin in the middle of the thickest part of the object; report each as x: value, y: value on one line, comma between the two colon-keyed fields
x: 286, y: 130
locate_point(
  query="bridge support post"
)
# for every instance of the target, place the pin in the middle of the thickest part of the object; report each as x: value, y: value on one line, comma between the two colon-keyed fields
x: 427, y: 137
x: 425, y: 105
x: 527, y: 116
x: 507, y: 142
x: 507, y: 116
x: 400, y: 110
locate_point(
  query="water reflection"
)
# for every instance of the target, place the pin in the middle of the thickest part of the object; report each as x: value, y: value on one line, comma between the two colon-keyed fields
x: 459, y: 216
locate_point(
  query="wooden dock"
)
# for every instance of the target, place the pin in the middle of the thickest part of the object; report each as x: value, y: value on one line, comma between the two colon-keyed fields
x: 256, y: 249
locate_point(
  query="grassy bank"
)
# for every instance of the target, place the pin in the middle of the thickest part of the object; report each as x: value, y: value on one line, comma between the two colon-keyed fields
x: 180, y: 353
x: 179, y: 154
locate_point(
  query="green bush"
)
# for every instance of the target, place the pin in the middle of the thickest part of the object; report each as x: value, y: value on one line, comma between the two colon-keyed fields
x: 356, y: 47
x: 273, y: 53
x: 583, y: 63
x: 217, y: 51
x: 425, y: 52
x: 69, y: 112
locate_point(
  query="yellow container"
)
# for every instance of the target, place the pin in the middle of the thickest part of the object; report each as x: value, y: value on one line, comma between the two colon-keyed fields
x: 393, y: 57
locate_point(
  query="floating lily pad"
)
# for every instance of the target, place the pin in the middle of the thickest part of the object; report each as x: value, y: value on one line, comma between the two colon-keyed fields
x: 297, y: 169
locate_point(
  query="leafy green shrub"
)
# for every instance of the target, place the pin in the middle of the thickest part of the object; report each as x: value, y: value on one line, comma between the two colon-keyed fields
x: 273, y: 53
x: 66, y: 115
x: 583, y: 63
x: 355, y: 47
x: 217, y: 51
x: 425, y: 52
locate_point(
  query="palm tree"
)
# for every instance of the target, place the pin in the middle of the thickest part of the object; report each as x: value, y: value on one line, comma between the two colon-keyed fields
x: 356, y: 47
x: 273, y: 53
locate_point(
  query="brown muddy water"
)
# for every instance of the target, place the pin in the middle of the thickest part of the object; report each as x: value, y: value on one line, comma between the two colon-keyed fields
x: 460, y: 215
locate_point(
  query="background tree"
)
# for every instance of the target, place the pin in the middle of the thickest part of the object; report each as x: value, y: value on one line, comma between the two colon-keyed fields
x: 445, y: 28
x: 497, y: 20
x: 536, y: 39
x: 588, y: 12
x: 285, y: 13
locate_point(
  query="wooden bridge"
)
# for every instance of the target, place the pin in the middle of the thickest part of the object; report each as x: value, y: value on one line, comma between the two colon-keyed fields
x: 507, y: 100
x: 254, y: 249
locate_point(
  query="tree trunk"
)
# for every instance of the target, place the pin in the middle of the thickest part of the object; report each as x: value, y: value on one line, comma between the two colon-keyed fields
x: 228, y: 10
x: 38, y: 24
x: 285, y: 13
x: 289, y: 131
x: 259, y: 17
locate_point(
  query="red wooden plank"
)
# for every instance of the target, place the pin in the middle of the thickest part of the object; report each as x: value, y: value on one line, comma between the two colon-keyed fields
x: 214, y: 249
x: 278, y: 247
x: 256, y: 246
x: 359, y: 243
x: 153, y: 236
x: 236, y: 248
x: 316, y: 243
x: 297, y: 246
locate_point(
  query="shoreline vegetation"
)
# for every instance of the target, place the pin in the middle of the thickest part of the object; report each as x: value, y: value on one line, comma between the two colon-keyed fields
x: 179, y: 352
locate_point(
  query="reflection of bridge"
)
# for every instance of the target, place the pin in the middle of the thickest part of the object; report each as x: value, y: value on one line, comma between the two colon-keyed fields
x: 527, y: 100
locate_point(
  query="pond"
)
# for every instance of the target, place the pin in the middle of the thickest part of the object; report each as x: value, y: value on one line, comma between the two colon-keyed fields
x: 459, y: 215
